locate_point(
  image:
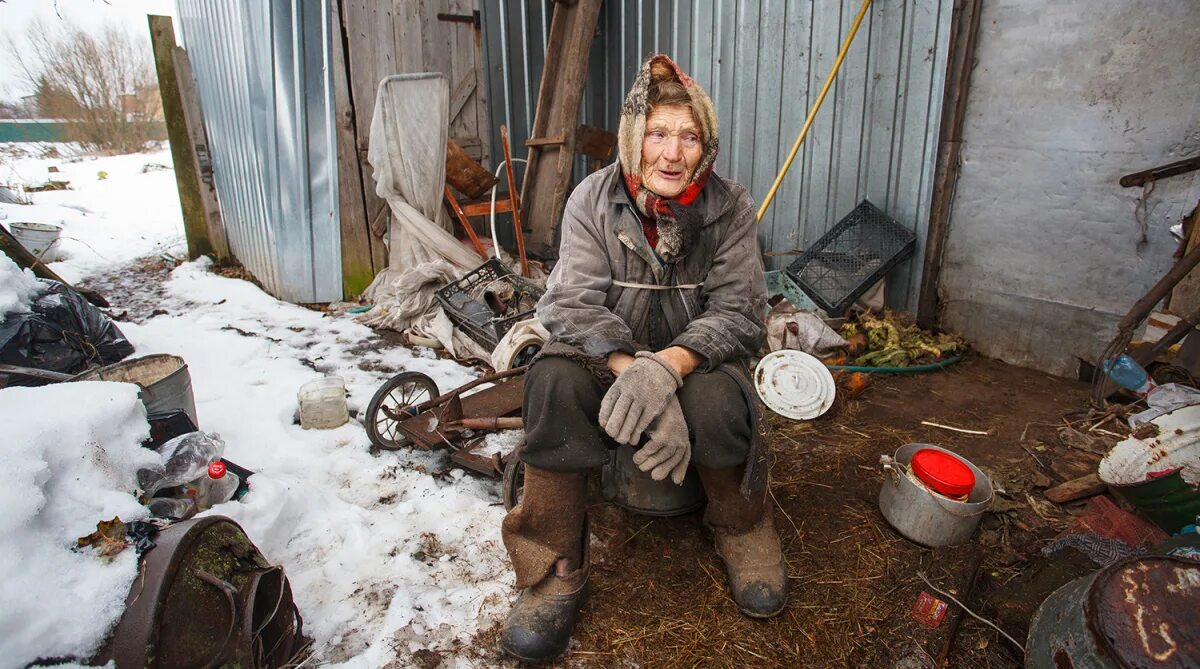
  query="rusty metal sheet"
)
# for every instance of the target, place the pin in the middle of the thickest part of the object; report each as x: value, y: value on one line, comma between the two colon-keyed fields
x: 1144, y: 612
x: 501, y: 399
x: 488, y: 465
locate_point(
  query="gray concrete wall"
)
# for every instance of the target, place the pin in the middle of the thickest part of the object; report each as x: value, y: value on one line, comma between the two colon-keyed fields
x: 1043, y: 254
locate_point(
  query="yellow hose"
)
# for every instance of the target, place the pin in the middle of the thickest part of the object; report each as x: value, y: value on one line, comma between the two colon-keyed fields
x: 837, y: 64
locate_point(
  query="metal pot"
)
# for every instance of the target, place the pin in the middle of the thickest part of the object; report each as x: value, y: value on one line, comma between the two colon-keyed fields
x: 925, y: 516
x: 630, y: 488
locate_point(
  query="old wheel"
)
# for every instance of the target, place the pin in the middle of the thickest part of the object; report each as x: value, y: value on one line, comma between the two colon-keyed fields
x: 394, y: 402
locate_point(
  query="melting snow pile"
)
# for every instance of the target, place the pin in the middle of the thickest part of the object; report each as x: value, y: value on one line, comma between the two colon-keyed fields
x: 71, y: 454
x: 18, y: 287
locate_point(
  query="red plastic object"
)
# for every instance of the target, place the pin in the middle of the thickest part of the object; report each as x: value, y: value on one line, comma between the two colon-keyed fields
x: 943, y: 472
x: 929, y: 610
x: 216, y: 470
x: 1107, y: 519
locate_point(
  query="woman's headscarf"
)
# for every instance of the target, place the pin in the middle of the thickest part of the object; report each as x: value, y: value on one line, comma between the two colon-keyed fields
x: 672, y: 215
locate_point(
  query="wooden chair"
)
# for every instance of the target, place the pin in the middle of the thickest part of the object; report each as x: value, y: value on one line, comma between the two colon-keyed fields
x: 473, y: 181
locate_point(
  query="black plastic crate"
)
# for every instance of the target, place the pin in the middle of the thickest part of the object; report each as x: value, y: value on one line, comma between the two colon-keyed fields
x: 843, y: 264
x: 488, y: 301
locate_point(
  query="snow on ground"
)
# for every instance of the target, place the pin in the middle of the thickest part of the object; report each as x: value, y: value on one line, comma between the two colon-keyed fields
x: 388, y: 554
x: 71, y: 454
x: 17, y: 287
x: 133, y: 211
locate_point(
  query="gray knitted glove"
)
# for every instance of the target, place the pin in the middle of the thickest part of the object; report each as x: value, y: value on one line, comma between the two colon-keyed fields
x: 637, y: 397
x: 668, y: 450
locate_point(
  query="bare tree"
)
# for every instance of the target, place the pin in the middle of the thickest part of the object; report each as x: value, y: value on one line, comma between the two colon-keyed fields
x: 104, y: 84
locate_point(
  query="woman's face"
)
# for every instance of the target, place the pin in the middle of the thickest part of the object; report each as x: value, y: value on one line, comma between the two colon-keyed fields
x: 670, y: 149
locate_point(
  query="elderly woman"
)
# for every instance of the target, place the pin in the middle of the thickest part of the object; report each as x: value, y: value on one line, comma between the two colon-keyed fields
x: 655, y: 306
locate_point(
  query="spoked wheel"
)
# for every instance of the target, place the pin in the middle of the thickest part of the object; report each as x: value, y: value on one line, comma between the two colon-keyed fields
x: 395, y: 402
x: 514, y: 479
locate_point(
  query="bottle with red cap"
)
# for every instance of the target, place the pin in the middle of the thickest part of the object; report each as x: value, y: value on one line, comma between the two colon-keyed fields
x: 216, y: 487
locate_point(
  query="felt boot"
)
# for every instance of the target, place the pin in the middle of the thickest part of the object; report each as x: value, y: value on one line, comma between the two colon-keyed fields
x: 746, y: 540
x: 546, y: 536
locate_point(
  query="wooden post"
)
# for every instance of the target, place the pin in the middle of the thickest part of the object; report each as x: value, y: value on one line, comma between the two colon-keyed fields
x: 183, y: 152
x: 199, y: 139
x: 358, y: 264
x: 964, y: 28
x: 548, y: 174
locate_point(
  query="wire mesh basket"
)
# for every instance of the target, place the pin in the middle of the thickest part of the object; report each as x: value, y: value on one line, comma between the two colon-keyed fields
x: 488, y: 301
x: 843, y: 264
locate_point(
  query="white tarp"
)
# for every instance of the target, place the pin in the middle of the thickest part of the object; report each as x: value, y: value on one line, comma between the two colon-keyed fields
x: 408, y: 154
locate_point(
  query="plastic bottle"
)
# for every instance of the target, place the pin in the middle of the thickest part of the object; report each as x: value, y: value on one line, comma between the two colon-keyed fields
x: 1125, y: 372
x: 216, y: 487
x: 185, y: 459
x: 176, y: 508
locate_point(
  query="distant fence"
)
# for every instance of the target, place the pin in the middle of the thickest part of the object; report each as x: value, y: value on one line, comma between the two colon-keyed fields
x: 55, y: 130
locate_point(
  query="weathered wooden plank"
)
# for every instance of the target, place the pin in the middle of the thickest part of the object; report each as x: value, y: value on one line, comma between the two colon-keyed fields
x: 12, y: 248
x: 960, y: 64
x: 1185, y: 297
x: 1084, y: 486
x: 465, y: 174
x: 183, y: 152
x: 194, y: 118
x: 371, y: 53
x: 548, y: 175
x: 358, y: 266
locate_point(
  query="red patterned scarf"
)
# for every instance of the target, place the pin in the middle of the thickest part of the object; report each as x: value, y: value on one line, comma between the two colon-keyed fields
x: 671, y: 215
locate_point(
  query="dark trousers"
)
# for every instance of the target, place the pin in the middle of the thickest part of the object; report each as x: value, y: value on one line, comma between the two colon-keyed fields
x: 562, y: 430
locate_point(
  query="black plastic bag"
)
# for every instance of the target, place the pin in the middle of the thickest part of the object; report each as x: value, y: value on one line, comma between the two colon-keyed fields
x: 62, y: 332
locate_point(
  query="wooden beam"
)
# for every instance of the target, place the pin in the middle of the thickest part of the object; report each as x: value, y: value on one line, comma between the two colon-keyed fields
x: 371, y: 55
x: 964, y: 29
x: 12, y: 248
x: 183, y: 153
x: 194, y: 118
x: 1084, y: 486
x: 548, y: 174
x: 358, y: 263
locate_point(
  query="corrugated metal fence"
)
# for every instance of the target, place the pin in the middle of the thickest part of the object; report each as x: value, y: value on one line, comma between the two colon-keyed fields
x: 764, y: 63
x: 263, y: 71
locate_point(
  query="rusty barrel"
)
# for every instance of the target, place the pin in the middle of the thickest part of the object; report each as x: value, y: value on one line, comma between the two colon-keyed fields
x: 1137, y: 613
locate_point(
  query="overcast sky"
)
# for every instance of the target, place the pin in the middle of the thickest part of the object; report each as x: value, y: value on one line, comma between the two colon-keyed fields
x: 90, y: 15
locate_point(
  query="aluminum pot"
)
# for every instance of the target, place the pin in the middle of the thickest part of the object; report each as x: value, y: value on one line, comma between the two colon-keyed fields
x: 924, y: 516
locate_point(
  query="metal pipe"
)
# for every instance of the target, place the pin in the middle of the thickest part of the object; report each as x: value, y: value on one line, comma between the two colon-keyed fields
x: 812, y: 114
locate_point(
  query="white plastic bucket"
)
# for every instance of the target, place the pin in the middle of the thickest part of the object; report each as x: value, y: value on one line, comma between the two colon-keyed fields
x: 323, y: 403
x: 924, y: 516
x: 37, y: 238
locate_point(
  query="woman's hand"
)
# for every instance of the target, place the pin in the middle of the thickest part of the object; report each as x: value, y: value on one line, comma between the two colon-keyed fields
x: 640, y: 393
x: 667, y: 451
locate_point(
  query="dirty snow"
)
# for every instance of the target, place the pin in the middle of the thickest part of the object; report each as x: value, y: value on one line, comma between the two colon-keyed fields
x: 117, y: 208
x: 388, y: 553
x: 71, y: 456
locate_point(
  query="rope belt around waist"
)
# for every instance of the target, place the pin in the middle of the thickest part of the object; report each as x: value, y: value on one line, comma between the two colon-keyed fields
x: 652, y: 286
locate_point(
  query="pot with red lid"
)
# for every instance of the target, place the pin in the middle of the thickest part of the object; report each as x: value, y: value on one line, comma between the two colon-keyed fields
x: 932, y: 495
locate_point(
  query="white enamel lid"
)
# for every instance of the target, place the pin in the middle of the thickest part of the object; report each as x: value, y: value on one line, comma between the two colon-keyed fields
x: 794, y: 384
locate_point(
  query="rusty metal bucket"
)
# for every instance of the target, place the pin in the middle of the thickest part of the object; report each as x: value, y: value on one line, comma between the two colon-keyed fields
x: 164, y: 380
x: 1137, y: 613
x: 630, y: 488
